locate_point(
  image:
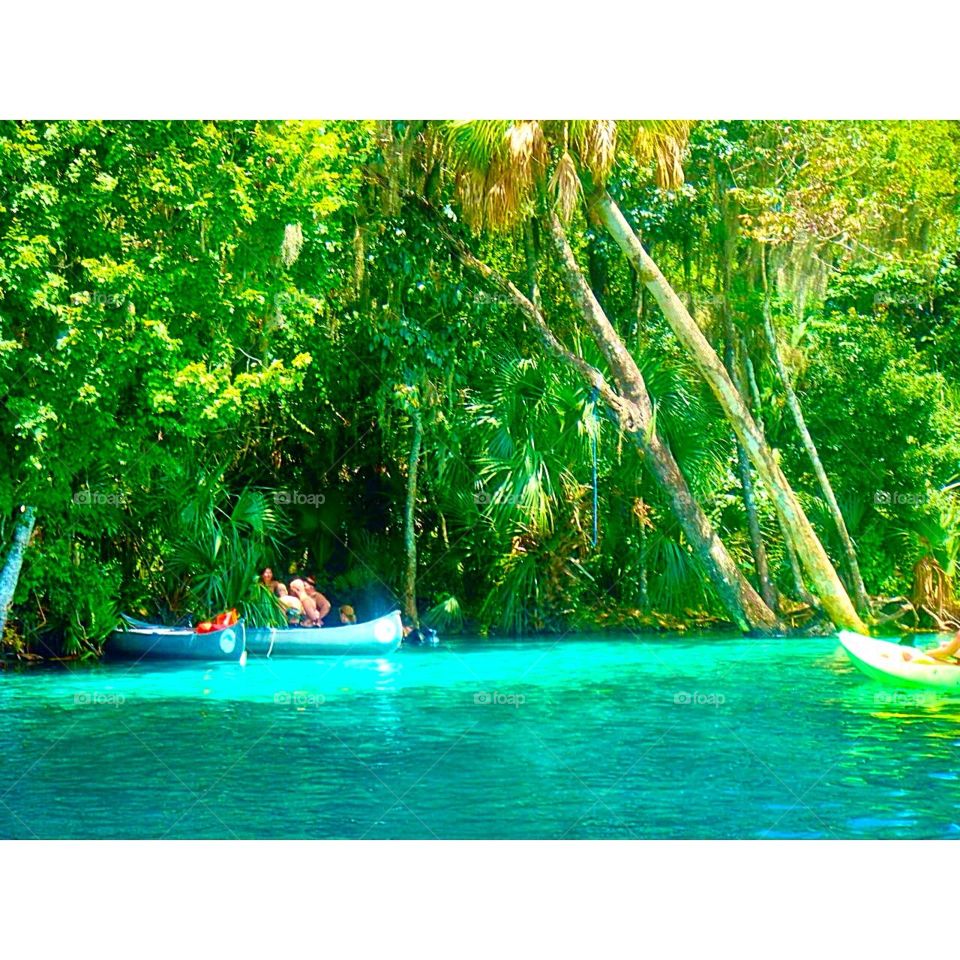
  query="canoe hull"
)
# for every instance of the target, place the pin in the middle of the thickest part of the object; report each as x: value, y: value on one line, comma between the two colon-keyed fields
x: 176, y: 643
x: 376, y: 638
x: 882, y: 660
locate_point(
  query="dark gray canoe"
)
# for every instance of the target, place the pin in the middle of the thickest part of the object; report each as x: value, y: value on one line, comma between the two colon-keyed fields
x: 145, y: 641
x: 375, y: 638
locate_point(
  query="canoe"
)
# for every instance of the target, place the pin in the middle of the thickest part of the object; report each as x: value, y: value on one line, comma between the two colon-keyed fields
x: 375, y: 638
x: 149, y: 641
x: 883, y: 660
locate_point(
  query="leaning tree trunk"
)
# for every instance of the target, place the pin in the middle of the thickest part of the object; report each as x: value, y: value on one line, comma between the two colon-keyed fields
x: 823, y: 576
x: 738, y: 596
x: 11, y: 568
x: 409, y: 525
x: 850, y: 554
x: 742, y: 602
x: 735, y: 591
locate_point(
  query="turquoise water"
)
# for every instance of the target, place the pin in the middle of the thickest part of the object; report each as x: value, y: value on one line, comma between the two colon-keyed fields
x: 589, y: 738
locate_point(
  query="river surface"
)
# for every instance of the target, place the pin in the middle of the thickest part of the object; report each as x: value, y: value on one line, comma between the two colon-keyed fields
x: 613, y: 737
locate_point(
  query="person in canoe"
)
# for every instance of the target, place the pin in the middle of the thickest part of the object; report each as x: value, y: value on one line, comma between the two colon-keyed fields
x: 310, y: 585
x: 288, y: 601
x: 414, y: 636
x: 347, y: 614
x: 315, y: 605
x: 948, y: 651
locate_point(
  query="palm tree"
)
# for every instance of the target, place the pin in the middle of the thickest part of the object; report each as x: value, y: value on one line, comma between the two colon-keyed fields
x: 504, y: 170
x: 515, y: 170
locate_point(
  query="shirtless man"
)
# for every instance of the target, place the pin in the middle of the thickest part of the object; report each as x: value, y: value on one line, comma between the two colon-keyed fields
x: 315, y: 605
x: 323, y: 604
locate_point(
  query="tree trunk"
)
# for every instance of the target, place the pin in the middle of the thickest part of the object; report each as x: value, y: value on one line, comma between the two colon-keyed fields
x: 823, y: 576
x: 731, y: 345
x: 796, y: 570
x: 644, y: 593
x: 759, y: 550
x: 10, y: 574
x: 749, y: 376
x: 736, y: 593
x: 409, y: 524
x: 853, y: 567
x: 530, y: 258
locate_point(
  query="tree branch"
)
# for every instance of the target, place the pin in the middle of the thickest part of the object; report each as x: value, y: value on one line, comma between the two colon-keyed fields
x: 625, y: 410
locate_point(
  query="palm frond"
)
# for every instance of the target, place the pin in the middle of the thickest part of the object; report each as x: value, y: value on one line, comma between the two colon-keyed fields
x: 565, y: 187
x: 497, y: 164
x: 661, y: 142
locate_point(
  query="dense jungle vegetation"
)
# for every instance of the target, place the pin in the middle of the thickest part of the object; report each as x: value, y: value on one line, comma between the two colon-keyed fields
x: 408, y: 355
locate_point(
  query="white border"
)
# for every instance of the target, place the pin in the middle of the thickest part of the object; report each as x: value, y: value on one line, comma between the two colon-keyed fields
x: 464, y: 900
x: 699, y: 60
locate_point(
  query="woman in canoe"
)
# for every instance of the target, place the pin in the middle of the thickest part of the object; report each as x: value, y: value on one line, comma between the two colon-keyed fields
x: 948, y: 651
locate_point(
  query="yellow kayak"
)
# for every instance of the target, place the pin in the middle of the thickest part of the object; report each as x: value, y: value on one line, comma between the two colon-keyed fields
x: 883, y: 660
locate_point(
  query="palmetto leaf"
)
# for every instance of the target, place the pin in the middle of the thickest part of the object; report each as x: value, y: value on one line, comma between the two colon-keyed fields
x: 218, y: 542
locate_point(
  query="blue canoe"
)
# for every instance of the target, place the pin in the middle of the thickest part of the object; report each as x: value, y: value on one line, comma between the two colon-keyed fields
x: 149, y: 641
x: 375, y: 638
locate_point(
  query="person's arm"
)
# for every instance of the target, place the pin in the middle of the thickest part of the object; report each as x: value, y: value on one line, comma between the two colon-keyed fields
x: 946, y: 650
x: 323, y: 604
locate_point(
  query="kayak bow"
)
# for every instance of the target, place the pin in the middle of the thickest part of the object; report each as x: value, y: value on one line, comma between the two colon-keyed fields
x: 884, y: 661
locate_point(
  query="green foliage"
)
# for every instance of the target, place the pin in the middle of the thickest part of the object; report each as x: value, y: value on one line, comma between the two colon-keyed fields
x: 195, y: 316
x: 218, y: 543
